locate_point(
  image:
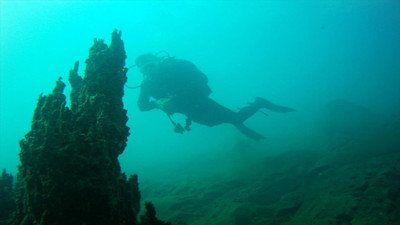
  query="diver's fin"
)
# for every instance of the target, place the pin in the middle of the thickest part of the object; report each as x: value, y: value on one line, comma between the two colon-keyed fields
x: 249, y: 132
x: 264, y: 103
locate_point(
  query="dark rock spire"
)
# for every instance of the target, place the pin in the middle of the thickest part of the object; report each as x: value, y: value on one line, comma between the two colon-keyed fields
x: 69, y: 169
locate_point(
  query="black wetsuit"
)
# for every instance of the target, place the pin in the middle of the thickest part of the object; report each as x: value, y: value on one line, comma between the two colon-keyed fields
x: 187, y: 87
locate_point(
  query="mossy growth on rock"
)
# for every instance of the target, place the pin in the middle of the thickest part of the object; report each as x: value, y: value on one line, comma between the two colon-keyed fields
x: 150, y: 217
x: 69, y: 172
x: 7, y: 204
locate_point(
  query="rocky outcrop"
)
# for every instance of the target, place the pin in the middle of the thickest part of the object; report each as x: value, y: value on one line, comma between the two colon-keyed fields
x: 69, y: 170
x: 150, y: 217
x: 7, y: 204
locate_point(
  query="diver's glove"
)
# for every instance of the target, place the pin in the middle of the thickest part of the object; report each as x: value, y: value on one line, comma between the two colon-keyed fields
x: 164, y: 104
x: 178, y: 128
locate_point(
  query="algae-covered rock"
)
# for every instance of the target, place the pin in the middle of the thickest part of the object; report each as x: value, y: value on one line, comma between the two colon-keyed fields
x: 69, y: 169
x: 7, y: 204
x: 150, y: 217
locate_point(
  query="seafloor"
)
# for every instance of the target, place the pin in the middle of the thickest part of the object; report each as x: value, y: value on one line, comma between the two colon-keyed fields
x: 350, y: 176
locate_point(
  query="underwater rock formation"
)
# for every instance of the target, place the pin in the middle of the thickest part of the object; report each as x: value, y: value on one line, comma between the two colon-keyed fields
x: 7, y: 204
x: 69, y: 169
x: 150, y: 217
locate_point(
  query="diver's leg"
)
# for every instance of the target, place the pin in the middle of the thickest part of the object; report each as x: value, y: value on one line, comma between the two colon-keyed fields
x: 246, y: 112
x: 264, y: 103
x: 208, y: 112
x: 249, y: 132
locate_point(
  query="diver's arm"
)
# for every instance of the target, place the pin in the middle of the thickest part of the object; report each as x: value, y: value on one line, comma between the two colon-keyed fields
x: 144, y: 102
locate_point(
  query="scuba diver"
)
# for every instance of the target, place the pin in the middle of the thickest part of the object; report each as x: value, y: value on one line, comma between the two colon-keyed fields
x: 178, y: 86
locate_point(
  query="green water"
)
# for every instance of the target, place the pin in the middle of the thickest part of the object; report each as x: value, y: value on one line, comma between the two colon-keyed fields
x: 301, y: 54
